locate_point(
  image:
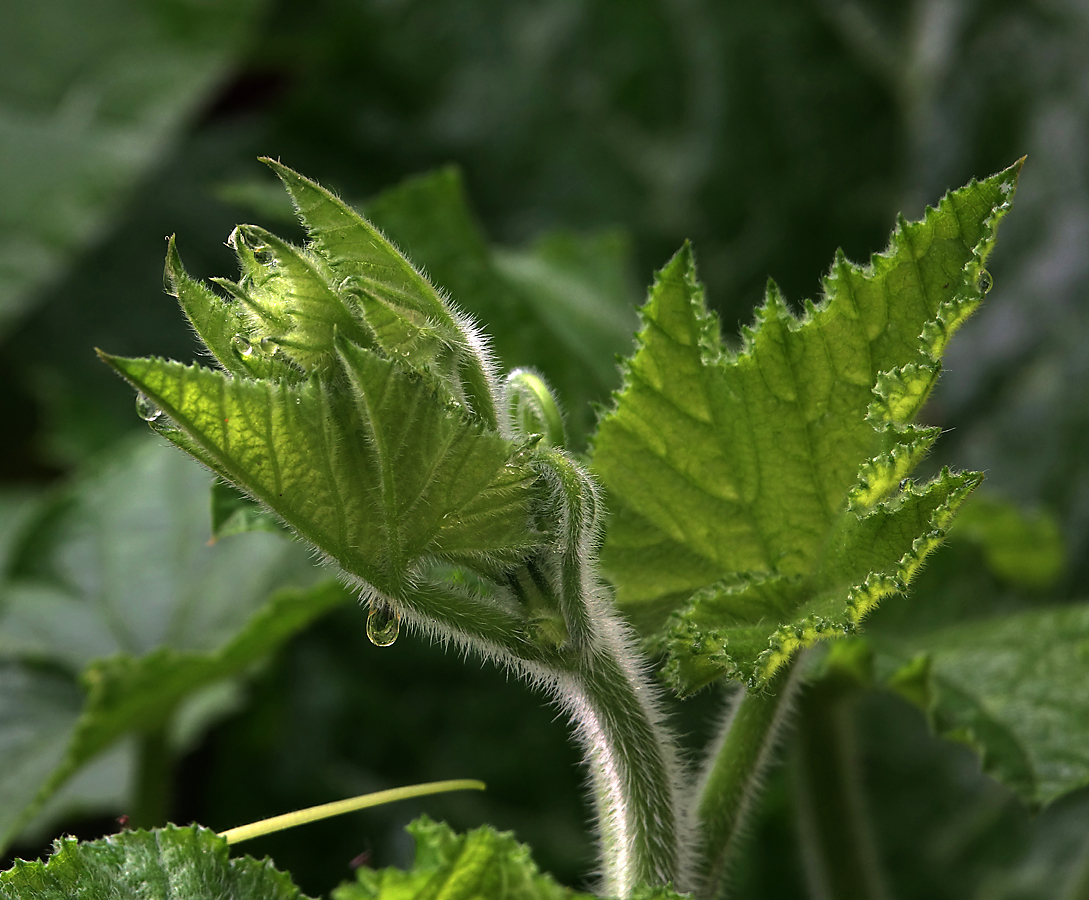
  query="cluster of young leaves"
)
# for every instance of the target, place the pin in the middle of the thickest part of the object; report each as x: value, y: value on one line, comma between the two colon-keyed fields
x: 762, y: 498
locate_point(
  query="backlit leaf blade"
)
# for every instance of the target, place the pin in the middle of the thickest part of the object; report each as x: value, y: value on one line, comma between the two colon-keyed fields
x: 730, y: 465
x: 870, y: 557
x: 325, y: 467
x: 406, y: 310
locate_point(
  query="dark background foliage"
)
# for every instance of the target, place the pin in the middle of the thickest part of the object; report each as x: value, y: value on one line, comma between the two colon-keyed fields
x: 769, y: 133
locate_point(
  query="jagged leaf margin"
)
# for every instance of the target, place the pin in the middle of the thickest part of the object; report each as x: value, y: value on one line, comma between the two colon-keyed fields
x: 738, y: 478
x: 183, y: 863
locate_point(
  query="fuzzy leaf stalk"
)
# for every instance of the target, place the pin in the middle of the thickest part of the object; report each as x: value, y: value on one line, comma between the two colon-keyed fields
x: 362, y: 408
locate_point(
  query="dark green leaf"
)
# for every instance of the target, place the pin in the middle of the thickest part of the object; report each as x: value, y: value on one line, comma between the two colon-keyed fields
x: 1015, y: 688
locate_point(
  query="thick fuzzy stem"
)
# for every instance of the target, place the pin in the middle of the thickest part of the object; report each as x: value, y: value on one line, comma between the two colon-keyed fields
x: 733, y: 775
x: 634, y: 773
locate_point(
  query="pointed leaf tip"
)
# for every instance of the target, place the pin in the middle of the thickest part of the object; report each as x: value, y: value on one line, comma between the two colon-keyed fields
x: 733, y: 476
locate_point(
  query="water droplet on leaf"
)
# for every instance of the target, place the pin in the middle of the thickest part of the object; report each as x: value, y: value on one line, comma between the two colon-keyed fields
x: 985, y: 281
x: 146, y: 408
x: 242, y: 346
x: 383, y: 624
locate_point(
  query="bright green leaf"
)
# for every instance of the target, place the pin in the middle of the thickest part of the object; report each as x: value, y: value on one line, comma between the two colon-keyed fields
x: 484, y: 864
x: 152, y: 615
x: 181, y: 863
x: 755, y: 477
x: 380, y: 483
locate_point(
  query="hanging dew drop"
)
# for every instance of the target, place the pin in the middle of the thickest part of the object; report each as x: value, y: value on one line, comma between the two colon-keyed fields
x: 146, y: 408
x: 985, y: 281
x: 383, y: 624
x: 242, y: 346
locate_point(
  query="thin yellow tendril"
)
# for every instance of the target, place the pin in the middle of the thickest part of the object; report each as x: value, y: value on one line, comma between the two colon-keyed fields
x: 339, y: 807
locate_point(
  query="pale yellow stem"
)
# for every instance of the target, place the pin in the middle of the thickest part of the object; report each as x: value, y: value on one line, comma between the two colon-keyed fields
x: 339, y: 807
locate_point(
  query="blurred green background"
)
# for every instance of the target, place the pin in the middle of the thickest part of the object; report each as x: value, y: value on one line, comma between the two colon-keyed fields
x: 769, y: 133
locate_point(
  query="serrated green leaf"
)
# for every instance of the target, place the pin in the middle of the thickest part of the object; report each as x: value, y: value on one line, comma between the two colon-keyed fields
x: 1015, y: 689
x: 483, y: 863
x: 745, y: 469
x: 380, y: 483
x: 182, y: 863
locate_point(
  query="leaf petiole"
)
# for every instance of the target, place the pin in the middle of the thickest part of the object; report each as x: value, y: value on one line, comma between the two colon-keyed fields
x: 339, y: 807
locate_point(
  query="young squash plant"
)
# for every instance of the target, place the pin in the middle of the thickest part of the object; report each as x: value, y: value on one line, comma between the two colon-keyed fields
x: 736, y: 507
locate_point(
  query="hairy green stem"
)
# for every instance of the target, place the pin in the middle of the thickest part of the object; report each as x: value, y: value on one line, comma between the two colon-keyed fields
x: 634, y: 773
x: 840, y: 856
x: 154, y: 787
x: 733, y: 775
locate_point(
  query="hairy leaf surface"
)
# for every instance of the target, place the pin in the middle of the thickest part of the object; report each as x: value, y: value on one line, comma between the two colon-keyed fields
x: 181, y: 863
x: 760, y: 495
x: 379, y: 480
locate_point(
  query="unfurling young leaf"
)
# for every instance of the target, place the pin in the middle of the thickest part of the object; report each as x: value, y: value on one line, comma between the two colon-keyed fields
x: 761, y: 498
x: 353, y: 402
x: 363, y: 410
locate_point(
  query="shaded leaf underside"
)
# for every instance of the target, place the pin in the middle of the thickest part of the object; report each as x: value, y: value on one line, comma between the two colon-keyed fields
x: 760, y: 492
x: 378, y: 483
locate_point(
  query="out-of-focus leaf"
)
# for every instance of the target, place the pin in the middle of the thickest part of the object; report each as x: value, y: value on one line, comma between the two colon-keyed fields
x: 1025, y: 550
x: 235, y: 513
x: 140, y: 693
x: 92, y: 95
x: 181, y: 863
x: 1015, y: 689
x: 38, y: 710
x: 121, y: 563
